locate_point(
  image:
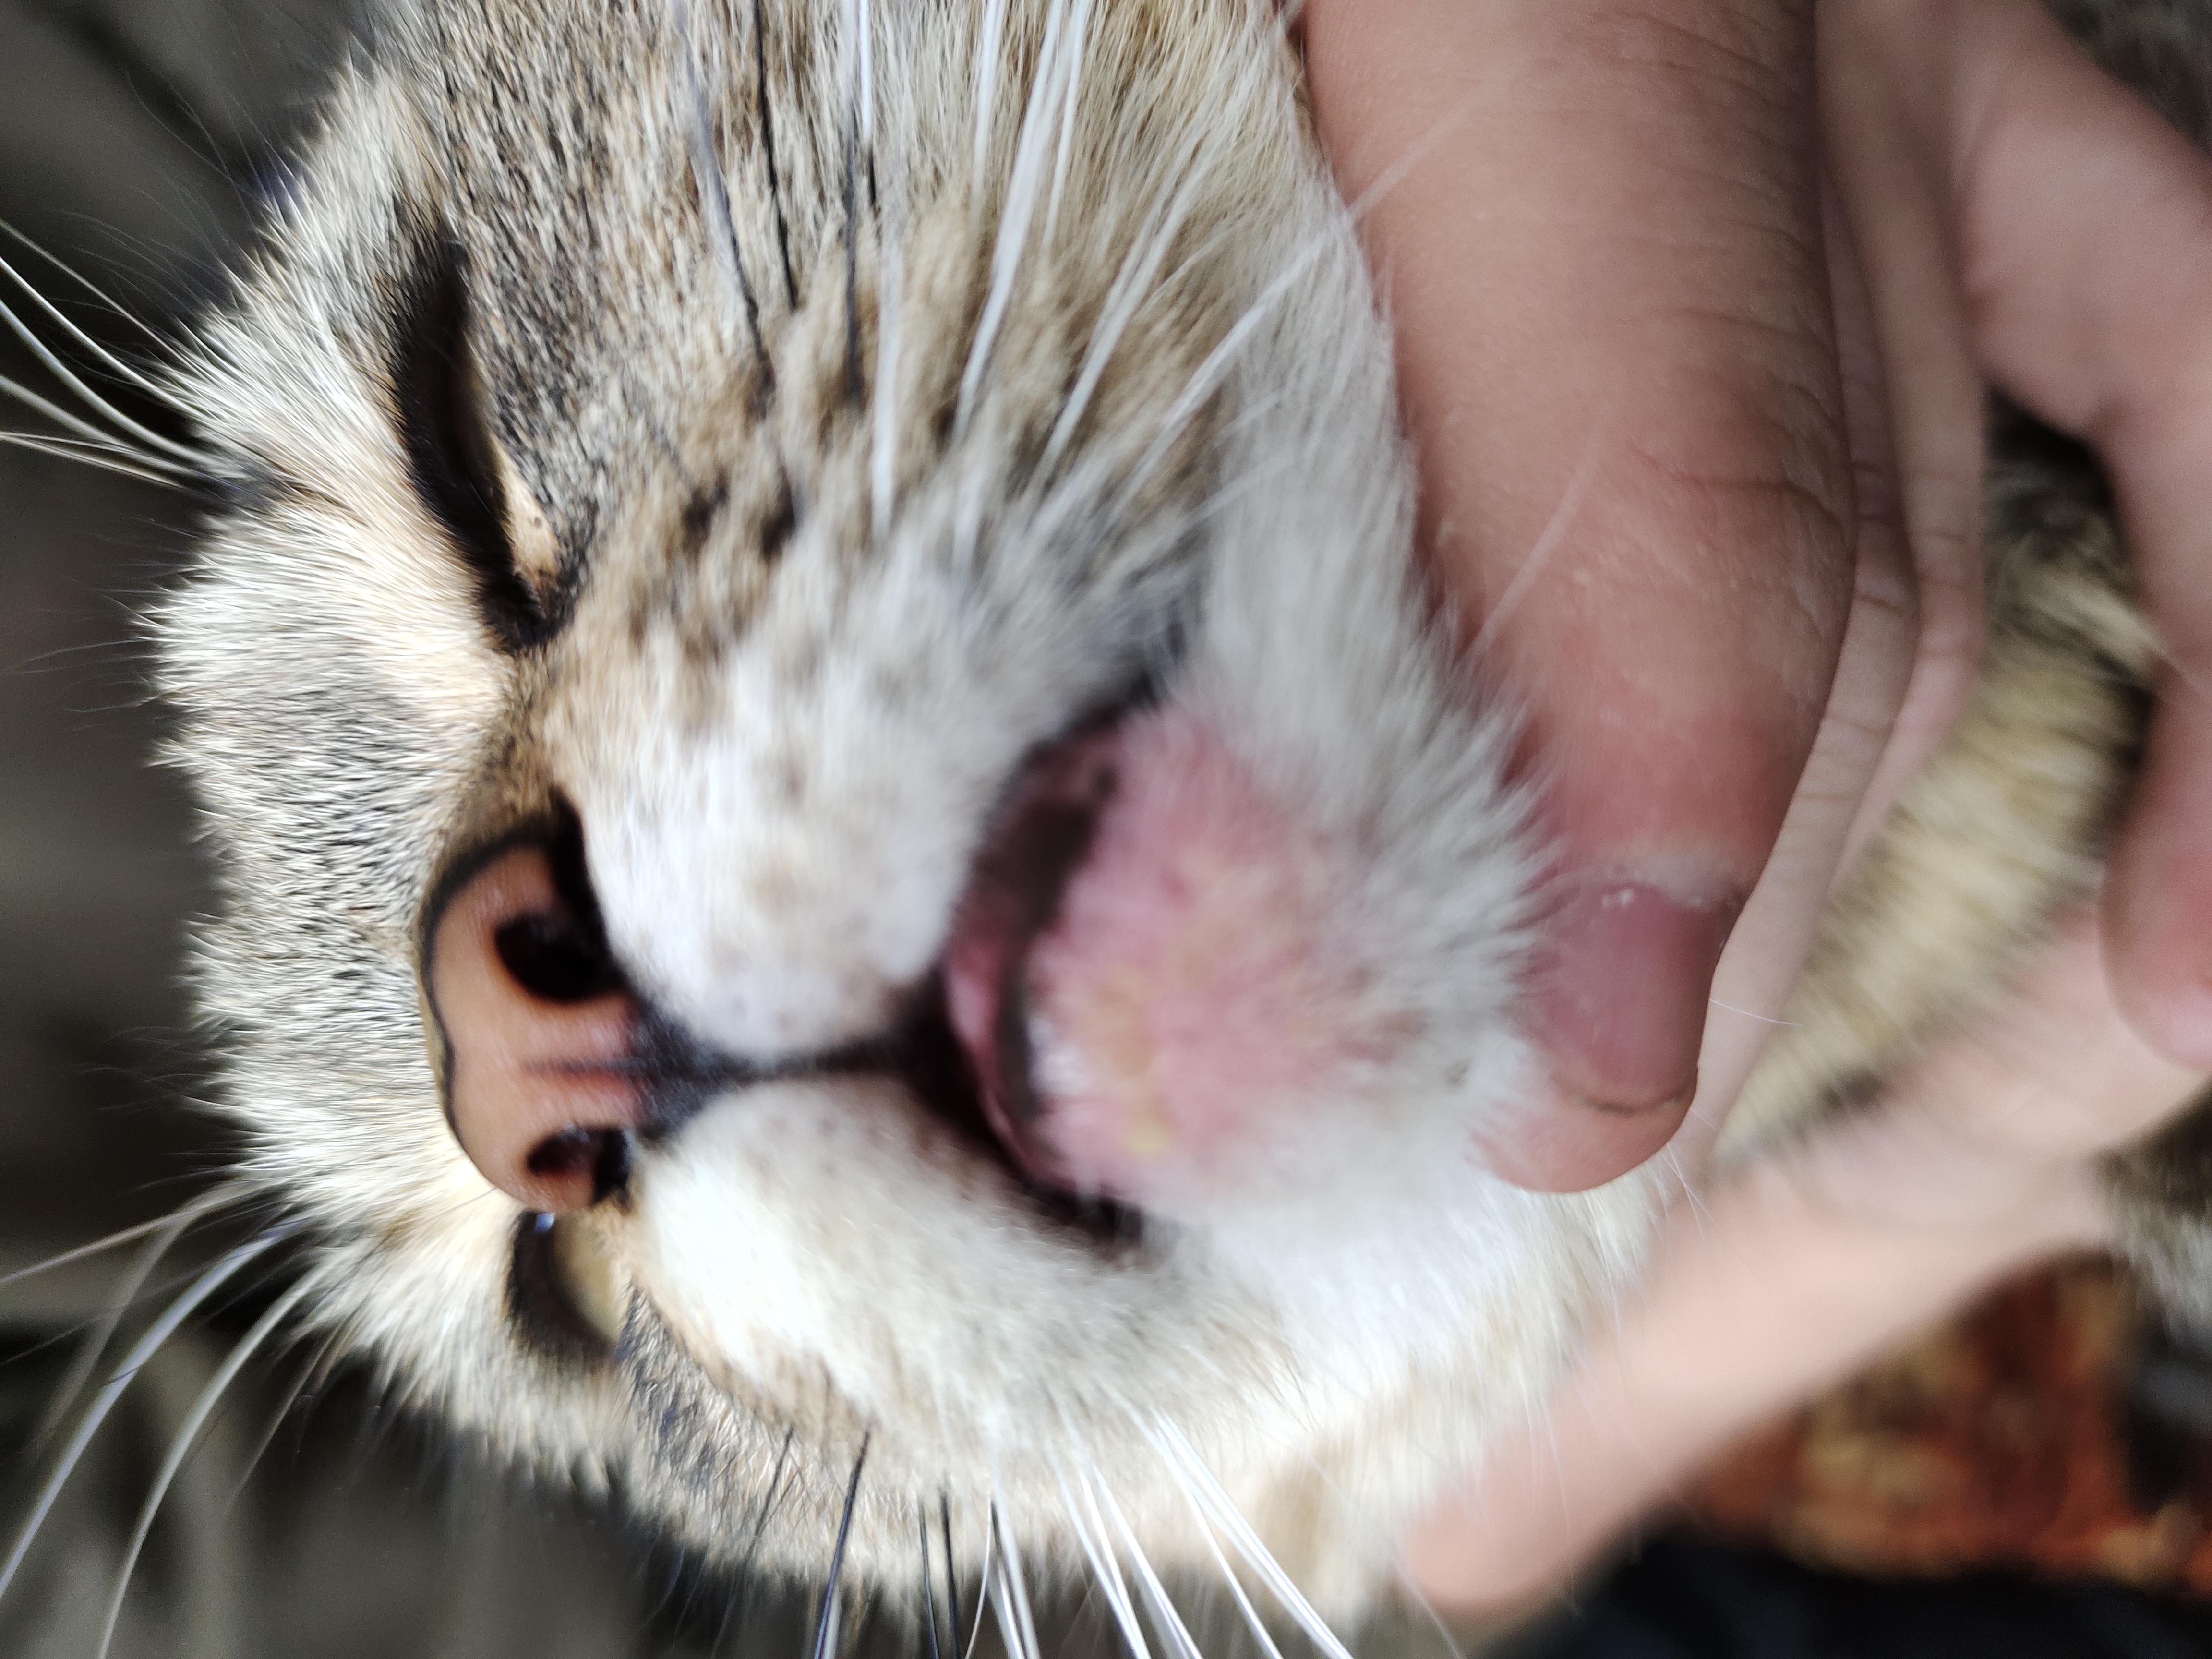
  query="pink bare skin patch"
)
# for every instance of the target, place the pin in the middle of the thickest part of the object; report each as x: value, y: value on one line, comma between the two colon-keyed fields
x: 1142, y: 1031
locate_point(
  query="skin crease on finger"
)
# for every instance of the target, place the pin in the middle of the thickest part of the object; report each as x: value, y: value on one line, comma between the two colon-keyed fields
x: 2048, y: 169
x: 1652, y: 406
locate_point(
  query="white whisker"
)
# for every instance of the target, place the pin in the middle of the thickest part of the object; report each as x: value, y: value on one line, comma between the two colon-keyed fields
x: 1014, y: 217
x: 166, y: 1230
x: 147, y: 1345
x: 84, y: 455
x: 1764, y: 1019
x: 983, y: 1595
x: 1214, y: 368
x: 1078, y: 40
x: 1206, y: 378
x: 78, y: 1253
x: 1169, y: 1440
x: 1547, y: 541
x: 99, y: 405
x: 85, y: 282
x: 988, y: 50
x: 1164, y: 1616
x: 84, y: 429
x: 1132, y: 285
x: 1437, y: 1620
x: 863, y: 45
x: 119, y: 365
x: 1098, y: 1550
x: 292, y: 1396
x: 1253, y: 1621
x: 1671, y: 1161
x: 181, y: 1444
x: 1017, y: 1624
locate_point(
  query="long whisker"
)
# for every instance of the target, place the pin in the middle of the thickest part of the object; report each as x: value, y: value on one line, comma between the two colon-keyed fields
x: 928, y: 1585
x: 1016, y: 1626
x: 292, y: 1398
x: 984, y: 1597
x: 84, y: 455
x: 1098, y: 1549
x: 1078, y: 40
x: 1164, y: 1616
x: 951, y: 1575
x: 78, y: 1253
x: 181, y: 1444
x: 1252, y: 1621
x: 1548, y: 540
x: 1014, y: 217
x: 825, y: 1628
x: 84, y: 342
x: 1214, y: 368
x: 1132, y: 285
x: 864, y: 69
x: 85, y: 282
x: 1223, y: 1508
x: 167, y: 1231
x: 84, y: 429
x: 162, y: 1329
x: 99, y: 405
x: 987, y: 51
x: 883, y: 450
x: 1451, y: 1642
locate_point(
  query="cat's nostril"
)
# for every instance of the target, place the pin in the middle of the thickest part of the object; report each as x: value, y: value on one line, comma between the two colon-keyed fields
x: 536, y: 1032
x: 557, y: 958
x: 601, y: 1156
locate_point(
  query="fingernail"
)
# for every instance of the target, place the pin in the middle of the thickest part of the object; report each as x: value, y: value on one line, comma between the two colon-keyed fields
x: 1568, y: 1144
x: 1619, y: 997
x: 1621, y: 990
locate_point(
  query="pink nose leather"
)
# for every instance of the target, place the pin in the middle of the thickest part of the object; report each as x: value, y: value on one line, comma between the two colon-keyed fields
x: 536, y: 1082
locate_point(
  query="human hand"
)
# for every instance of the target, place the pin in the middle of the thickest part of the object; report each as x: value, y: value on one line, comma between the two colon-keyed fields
x: 1808, y: 1263
x: 1609, y: 319
x: 1695, y: 368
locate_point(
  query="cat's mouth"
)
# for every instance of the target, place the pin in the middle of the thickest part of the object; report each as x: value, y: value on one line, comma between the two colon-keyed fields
x: 1041, y: 835
x: 1149, y: 974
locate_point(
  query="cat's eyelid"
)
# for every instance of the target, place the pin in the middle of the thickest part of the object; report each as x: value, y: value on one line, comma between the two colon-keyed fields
x: 466, y: 481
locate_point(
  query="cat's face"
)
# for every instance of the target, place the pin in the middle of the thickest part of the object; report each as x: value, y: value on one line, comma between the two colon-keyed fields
x: 815, y: 669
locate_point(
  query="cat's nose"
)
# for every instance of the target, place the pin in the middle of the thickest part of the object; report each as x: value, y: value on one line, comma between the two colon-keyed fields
x: 538, y: 1031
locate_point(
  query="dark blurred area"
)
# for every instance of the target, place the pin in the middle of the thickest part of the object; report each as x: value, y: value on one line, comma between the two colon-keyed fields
x: 311, y: 1521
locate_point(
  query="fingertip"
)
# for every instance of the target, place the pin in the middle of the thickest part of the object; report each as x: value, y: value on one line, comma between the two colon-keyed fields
x: 1571, y: 1143
x: 2158, y: 899
x: 1618, y: 1004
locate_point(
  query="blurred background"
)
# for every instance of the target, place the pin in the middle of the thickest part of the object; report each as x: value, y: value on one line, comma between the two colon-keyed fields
x: 135, y: 138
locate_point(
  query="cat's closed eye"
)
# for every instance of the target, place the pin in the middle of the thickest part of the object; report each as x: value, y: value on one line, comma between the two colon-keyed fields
x: 441, y: 404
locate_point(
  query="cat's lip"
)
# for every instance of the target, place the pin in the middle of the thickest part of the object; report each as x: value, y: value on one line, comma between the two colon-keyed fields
x: 1037, y: 842
x: 1152, y: 974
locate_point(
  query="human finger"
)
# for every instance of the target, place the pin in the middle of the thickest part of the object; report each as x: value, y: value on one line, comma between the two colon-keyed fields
x: 2085, y: 234
x: 1618, y: 364
x: 1800, y: 1268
